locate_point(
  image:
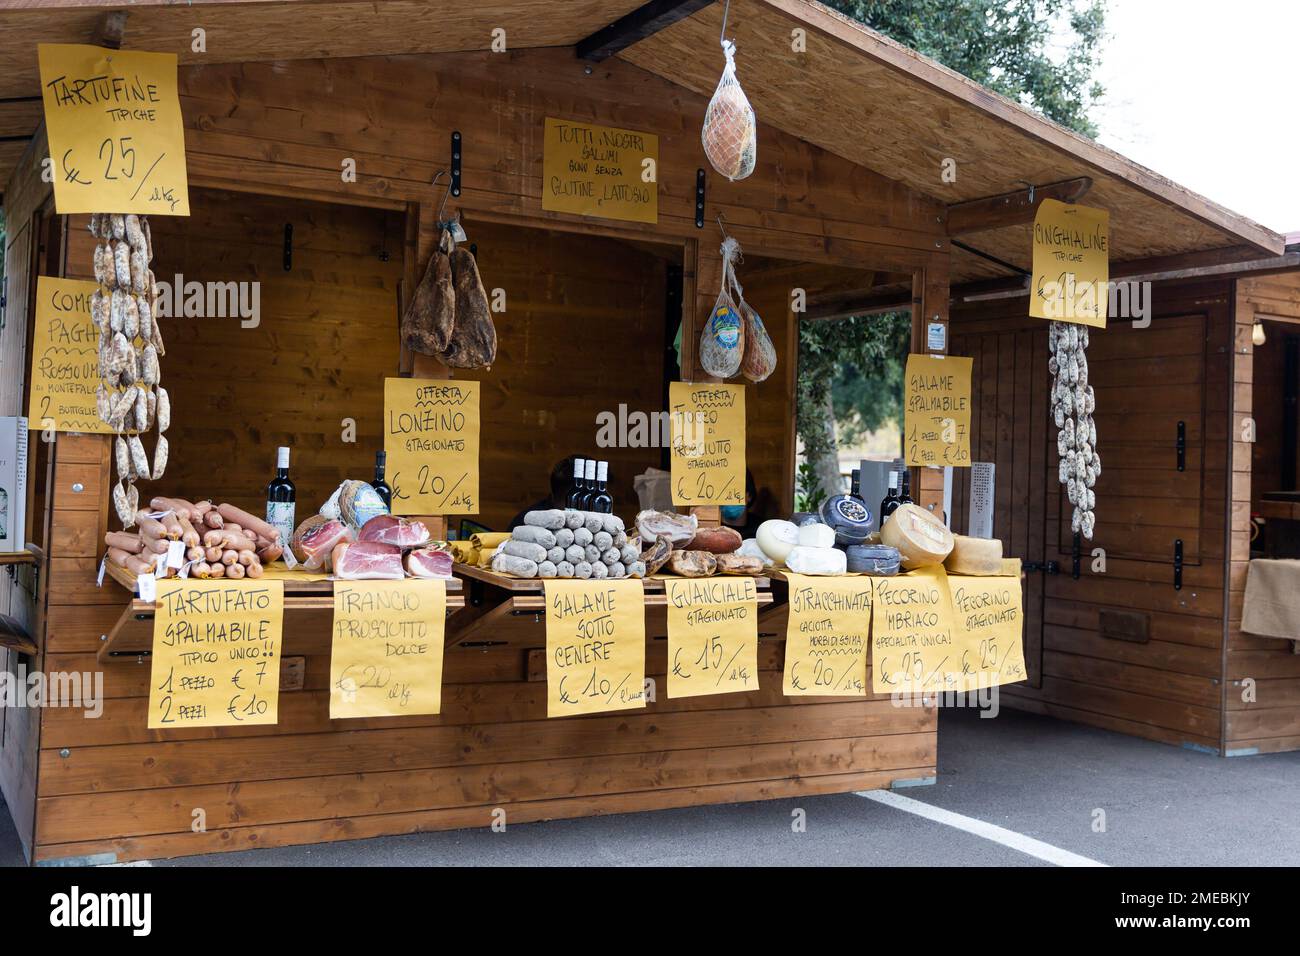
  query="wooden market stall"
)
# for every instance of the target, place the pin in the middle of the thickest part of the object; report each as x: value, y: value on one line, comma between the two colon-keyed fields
x: 847, y: 199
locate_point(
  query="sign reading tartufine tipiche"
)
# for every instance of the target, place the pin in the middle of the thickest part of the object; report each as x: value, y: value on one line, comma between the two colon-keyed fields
x: 600, y: 171
x: 431, y: 435
x: 595, y: 646
x: 216, y: 653
x: 113, y: 118
x: 936, y: 411
x: 1071, y: 281
x: 708, y: 443
x: 65, y: 359
x: 386, y: 658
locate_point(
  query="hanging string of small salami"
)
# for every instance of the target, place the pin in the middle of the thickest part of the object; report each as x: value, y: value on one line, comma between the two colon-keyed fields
x: 130, y: 396
x: 1073, y: 404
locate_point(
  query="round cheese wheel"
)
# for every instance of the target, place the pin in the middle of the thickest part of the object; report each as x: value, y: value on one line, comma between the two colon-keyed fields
x: 802, y: 560
x: 974, y: 555
x: 816, y: 536
x: 777, y: 538
x: 920, y: 537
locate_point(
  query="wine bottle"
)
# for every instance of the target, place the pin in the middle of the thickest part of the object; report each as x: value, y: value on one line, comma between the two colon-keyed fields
x: 602, y: 501
x: 905, y: 496
x: 890, y: 502
x: 588, y: 485
x: 577, y: 488
x: 379, y: 484
x: 281, y: 497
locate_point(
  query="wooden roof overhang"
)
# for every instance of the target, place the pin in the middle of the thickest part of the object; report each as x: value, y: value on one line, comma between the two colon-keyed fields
x: 853, y: 93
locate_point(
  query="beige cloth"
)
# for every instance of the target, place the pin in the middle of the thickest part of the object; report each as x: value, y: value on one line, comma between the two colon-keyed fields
x: 1272, y: 605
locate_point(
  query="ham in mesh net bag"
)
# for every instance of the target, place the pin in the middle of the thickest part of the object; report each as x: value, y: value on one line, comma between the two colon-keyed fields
x: 759, y: 355
x: 722, y: 344
x: 730, y: 133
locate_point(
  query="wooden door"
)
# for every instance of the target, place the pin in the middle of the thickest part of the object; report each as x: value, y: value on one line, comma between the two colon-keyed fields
x: 1009, y: 427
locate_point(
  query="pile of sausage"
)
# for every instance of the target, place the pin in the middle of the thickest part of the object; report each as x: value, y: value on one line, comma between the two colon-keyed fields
x: 219, y: 541
x: 130, y: 397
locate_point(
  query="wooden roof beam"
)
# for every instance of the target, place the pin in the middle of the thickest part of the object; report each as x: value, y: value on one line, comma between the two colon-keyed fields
x: 111, y: 30
x: 1011, y: 209
x: 645, y: 21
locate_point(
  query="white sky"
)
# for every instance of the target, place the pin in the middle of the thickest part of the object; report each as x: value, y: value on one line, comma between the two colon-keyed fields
x: 1207, y: 93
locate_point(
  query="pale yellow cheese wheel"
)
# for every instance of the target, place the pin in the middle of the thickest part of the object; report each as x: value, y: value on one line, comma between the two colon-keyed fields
x: 919, y: 536
x: 974, y: 555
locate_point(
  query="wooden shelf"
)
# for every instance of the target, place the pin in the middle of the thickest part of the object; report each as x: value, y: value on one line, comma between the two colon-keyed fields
x: 507, y: 582
x: 292, y: 587
x: 17, y: 557
x: 132, y: 635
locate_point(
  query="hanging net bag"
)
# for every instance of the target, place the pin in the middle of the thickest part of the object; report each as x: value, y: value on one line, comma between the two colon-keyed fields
x: 730, y: 133
x: 759, y: 360
x: 722, y: 344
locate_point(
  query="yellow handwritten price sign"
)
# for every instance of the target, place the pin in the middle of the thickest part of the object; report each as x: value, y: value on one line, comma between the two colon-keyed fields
x: 827, y: 637
x: 600, y: 171
x: 708, y: 443
x: 936, y: 413
x: 386, y: 659
x: 216, y: 653
x: 712, y: 635
x: 431, y: 435
x: 114, y: 124
x: 595, y: 646
x: 1071, y: 280
x: 65, y: 358
x: 912, y: 648
x: 989, y: 632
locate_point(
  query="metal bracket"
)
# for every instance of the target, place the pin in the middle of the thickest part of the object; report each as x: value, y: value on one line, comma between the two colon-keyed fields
x: 1181, y: 446
x: 699, y: 198
x: 288, y: 246
x: 1076, y: 556
x: 455, y: 162
x: 1178, y: 564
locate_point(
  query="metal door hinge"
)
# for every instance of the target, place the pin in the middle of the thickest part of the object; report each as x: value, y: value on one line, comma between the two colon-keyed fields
x: 1181, y: 446
x: 1178, y: 564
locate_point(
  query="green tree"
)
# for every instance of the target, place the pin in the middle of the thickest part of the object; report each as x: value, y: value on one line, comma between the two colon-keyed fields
x: 1040, y: 53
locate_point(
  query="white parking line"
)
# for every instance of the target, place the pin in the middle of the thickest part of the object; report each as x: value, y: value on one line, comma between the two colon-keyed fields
x: 989, y: 831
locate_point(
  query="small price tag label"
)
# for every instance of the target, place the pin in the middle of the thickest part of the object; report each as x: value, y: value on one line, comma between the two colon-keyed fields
x: 175, y: 554
x: 148, y: 587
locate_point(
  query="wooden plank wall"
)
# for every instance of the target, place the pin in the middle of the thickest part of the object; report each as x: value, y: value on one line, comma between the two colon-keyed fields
x: 1168, y: 688
x: 20, y: 727
x: 261, y: 128
x: 583, y: 332
x: 1270, y: 721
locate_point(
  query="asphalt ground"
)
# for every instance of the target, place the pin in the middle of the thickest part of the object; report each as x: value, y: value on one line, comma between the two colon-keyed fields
x: 1054, y: 793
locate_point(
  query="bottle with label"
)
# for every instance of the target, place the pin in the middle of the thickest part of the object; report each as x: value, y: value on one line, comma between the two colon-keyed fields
x: 890, y: 502
x: 379, y: 484
x: 848, y: 516
x: 602, y: 502
x: 588, y: 485
x: 577, y: 489
x: 280, y: 498
x: 905, y: 496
